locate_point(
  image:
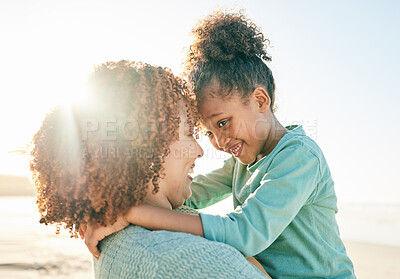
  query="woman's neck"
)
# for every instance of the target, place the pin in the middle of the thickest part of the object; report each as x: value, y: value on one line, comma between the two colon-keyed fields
x: 158, y: 199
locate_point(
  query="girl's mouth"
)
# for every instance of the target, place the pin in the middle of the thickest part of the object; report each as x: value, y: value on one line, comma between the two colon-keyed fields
x: 236, y: 150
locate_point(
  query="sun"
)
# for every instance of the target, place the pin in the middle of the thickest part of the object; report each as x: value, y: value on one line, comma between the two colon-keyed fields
x: 26, y: 102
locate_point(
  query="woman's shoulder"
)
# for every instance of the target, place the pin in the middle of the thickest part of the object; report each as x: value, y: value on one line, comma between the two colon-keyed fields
x: 135, y: 237
x: 138, y: 236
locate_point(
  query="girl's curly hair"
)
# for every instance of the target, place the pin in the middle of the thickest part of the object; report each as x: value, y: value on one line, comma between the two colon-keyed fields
x: 229, y: 51
x: 93, y: 162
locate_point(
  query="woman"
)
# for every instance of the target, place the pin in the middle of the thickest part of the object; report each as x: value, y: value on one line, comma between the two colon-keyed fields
x: 134, y: 143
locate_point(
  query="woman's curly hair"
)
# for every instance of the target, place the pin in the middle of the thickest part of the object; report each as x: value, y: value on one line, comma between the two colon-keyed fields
x: 93, y: 162
x: 228, y: 50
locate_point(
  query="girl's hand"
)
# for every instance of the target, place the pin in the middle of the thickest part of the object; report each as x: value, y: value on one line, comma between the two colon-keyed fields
x: 94, y: 233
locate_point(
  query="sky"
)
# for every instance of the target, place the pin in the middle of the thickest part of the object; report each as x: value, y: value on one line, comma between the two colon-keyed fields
x: 335, y: 64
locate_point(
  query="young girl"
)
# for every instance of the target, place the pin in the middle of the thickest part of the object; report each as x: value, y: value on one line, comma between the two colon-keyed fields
x: 282, y: 188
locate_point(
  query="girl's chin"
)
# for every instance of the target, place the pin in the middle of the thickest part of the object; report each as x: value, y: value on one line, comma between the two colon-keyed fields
x: 248, y: 158
x: 245, y: 160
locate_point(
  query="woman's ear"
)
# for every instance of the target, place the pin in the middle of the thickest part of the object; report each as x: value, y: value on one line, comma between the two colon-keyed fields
x: 262, y: 99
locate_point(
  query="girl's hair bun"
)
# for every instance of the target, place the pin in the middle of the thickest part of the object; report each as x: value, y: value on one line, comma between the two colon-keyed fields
x: 223, y: 36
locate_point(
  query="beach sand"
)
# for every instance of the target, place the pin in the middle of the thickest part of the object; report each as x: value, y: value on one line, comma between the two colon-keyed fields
x: 374, y: 260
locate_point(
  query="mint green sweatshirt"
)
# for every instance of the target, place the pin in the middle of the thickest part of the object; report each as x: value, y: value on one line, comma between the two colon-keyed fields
x: 285, y: 206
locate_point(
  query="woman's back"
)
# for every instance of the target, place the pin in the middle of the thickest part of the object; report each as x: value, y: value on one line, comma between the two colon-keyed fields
x: 136, y: 252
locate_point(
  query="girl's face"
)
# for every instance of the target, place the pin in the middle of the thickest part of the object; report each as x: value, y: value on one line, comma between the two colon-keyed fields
x: 175, y: 186
x: 235, y: 127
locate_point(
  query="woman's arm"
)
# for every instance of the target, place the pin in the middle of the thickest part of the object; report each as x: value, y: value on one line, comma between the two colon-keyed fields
x: 258, y: 265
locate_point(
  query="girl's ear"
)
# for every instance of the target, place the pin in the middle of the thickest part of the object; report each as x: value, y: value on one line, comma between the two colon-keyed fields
x: 262, y: 99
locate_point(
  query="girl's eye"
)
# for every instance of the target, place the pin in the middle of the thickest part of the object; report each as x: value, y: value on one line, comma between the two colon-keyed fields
x: 208, y: 133
x: 222, y: 123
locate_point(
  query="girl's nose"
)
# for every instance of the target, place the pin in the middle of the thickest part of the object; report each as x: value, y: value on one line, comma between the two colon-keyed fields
x: 221, y: 142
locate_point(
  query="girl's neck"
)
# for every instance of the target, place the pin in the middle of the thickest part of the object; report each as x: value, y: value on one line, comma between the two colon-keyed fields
x: 275, y: 134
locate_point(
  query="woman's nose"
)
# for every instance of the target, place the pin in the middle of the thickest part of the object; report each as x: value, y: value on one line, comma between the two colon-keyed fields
x: 199, y: 151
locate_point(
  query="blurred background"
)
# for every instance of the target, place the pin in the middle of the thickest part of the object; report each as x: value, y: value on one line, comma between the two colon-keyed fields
x: 336, y: 70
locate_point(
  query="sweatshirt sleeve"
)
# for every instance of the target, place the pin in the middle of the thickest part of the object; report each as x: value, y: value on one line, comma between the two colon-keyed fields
x: 213, y: 187
x: 207, y: 260
x: 289, y: 182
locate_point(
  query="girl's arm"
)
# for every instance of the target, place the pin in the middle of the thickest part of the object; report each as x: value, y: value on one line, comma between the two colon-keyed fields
x: 285, y: 188
x: 145, y: 215
x: 290, y: 183
x: 157, y: 218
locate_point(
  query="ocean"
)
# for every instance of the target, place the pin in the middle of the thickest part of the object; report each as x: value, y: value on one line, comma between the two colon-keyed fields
x: 31, y: 250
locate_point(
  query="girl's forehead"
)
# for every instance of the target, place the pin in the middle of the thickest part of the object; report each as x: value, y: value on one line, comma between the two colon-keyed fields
x: 212, y: 106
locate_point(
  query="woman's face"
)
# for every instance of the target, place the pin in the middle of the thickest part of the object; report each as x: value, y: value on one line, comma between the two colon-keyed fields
x: 175, y: 185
